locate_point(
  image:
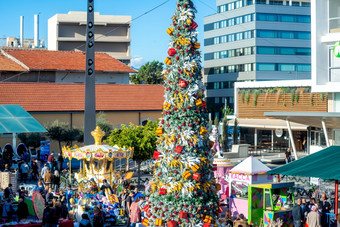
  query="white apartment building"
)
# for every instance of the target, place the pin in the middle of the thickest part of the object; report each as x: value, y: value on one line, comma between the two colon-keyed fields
x: 112, y: 34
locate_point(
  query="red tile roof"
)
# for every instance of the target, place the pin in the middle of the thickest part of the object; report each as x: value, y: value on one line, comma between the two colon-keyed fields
x: 65, y: 60
x: 45, y: 97
x: 7, y: 64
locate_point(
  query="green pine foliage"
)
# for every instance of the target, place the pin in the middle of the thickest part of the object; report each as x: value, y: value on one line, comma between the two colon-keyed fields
x: 183, y: 188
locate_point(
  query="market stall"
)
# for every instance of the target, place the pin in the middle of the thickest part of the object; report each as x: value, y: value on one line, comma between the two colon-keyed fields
x: 97, y: 159
x: 221, y: 168
x: 250, y: 171
x: 269, y: 203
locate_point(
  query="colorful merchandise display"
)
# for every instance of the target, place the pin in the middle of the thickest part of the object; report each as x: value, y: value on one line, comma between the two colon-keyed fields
x: 270, y: 203
x: 183, y: 189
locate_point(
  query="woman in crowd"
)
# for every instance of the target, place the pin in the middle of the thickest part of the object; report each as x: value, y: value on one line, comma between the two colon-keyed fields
x: 135, y: 213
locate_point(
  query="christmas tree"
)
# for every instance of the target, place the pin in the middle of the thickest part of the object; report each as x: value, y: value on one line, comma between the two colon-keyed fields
x: 183, y: 189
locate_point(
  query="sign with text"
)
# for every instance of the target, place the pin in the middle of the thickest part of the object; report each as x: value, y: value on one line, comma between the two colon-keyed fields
x: 240, y: 177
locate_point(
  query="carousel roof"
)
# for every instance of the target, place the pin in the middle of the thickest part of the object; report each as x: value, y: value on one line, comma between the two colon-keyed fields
x: 97, y: 150
x: 250, y: 166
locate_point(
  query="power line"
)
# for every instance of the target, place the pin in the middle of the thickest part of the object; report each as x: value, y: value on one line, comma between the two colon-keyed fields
x: 103, y: 35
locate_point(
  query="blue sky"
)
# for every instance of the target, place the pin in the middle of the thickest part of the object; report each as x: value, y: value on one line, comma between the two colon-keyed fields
x: 148, y: 33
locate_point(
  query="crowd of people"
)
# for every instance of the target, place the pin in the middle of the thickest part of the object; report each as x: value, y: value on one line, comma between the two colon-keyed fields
x: 311, y: 213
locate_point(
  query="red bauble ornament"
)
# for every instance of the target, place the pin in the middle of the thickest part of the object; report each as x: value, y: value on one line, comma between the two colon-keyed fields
x: 172, y: 52
x: 177, y: 197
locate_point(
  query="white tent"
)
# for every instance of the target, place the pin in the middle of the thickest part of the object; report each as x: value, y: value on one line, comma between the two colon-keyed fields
x: 249, y: 171
x: 250, y: 166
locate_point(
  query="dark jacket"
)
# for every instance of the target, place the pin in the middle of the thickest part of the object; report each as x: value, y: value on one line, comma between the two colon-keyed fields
x: 297, y: 213
x: 98, y: 220
x: 50, y: 216
x: 22, y: 211
x: 85, y: 223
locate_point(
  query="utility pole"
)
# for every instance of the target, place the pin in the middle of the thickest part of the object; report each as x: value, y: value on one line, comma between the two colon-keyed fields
x: 90, y: 79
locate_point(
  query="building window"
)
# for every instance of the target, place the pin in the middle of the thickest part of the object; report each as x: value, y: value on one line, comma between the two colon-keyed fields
x: 231, y: 68
x: 216, y: 85
x: 265, y: 50
x: 283, y: 18
x: 223, y: 24
x: 287, y: 51
x: 305, y: 4
x: 248, y: 67
x: 303, y: 68
x: 295, y: 3
x: 260, y: 2
x: 303, y: 19
x: 287, y: 67
x: 231, y: 22
x: 302, y: 35
x: 216, y: 55
x: 265, y: 67
x: 216, y: 40
x: 287, y: 18
x: 216, y: 25
x: 286, y: 35
x: 249, y: 2
x: 223, y: 39
x: 266, y: 34
x: 231, y: 53
x: 224, y: 54
x: 239, y: 36
x: 273, y: 2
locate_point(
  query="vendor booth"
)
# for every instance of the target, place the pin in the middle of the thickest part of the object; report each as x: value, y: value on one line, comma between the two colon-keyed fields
x: 97, y: 158
x: 271, y: 203
x: 250, y: 171
x: 221, y: 168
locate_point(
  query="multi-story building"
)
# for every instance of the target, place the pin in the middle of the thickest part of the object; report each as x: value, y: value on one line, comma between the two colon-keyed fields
x: 325, y: 15
x: 112, y: 34
x: 255, y: 40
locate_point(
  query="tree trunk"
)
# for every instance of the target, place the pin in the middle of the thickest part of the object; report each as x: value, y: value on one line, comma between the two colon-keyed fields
x: 139, y: 164
x: 59, y: 146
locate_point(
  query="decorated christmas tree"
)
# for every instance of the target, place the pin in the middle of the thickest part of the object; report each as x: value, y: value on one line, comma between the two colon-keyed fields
x: 183, y: 190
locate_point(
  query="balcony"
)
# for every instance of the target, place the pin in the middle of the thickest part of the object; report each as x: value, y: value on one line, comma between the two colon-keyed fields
x: 334, y: 25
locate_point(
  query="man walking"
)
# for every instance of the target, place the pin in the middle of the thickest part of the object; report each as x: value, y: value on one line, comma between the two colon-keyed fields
x: 50, y: 160
x: 60, y: 162
x: 24, y: 172
x: 288, y: 155
x: 297, y: 214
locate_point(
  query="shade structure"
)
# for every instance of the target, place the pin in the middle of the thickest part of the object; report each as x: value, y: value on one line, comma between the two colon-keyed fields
x: 250, y: 166
x: 15, y: 119
x: 323, y: 164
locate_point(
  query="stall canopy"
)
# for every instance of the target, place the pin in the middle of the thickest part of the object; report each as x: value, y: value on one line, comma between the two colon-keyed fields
x: 250, y: 166
x: 323, y: 164
x: 15, y: 119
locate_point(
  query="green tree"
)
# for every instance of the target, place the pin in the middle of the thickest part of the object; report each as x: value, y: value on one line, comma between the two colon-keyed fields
x: 31, y: 139
x: 225, y: 141
x: 141, y: 138
x: 149, y: 73
x: 104, y: 125
x: 216, y: 122
x: 235, y: 132
x: 62, y: 132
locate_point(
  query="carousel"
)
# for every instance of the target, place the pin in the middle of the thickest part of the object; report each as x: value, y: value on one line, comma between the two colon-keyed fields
x: 98, y: 159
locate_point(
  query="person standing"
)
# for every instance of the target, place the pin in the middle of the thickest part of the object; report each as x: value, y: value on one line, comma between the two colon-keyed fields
x: 22, y: 211
x: 24, y: 171
x: 325, y: 208
x: 85, y: 221
x: 44, y: 170
x: 49, y: 196
x: 304, y: 209
x: 106, y: 188
x: 135, y: 213
x: 8, y: 192
x: 40, y: 188
x: 288, y: 155
x: 60, y: 162
x: 56, y: 180
x: 50, y: 160
x: 313, y: 217
x: 35, y: 170
x: 297, y: 214
x: 48, y: 178
x: 69, y: 195
x: 98, y: 219
x: 7, y: 210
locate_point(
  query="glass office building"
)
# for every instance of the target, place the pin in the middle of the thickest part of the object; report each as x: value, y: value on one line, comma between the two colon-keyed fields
x: 255, y: 40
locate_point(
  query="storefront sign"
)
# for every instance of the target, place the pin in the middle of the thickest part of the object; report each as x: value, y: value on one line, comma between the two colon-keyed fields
x: 278, y: 132
x: 240, y: 177
x: 336, y: 50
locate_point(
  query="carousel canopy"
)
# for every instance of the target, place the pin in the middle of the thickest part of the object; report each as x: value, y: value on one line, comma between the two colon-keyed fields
x: 250, y: 166
x: 15, y: 119
x: 97, y: 150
